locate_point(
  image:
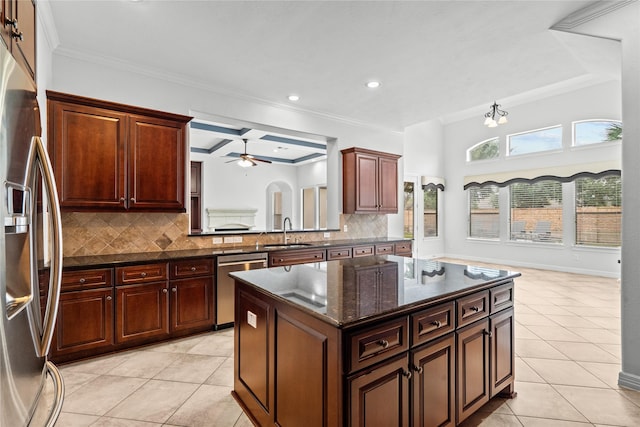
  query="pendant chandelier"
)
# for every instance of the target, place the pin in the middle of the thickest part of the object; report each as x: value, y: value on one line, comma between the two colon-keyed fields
x: 495, y: 116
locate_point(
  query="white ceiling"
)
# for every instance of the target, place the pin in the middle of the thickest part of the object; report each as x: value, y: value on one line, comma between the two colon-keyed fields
x: 435, y: 59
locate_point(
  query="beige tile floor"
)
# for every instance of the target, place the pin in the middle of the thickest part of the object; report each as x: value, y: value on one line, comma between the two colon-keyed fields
x: 567, y: 363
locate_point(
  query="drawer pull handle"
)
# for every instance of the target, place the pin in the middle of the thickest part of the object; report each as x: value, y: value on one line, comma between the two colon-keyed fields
x: 407, y: 374
x: 143, y: 274
x: 383, y: 343
x: 436, y: 323
x: 418, y: 369
x: 82, y: 280
x: 193, y: 269
x: 487, y: 333
x: 474, y: 309
x: 109, y: 298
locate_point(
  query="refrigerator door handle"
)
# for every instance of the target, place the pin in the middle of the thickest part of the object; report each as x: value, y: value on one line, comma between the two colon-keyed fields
x: 58, y: 399
x: 39, y: 159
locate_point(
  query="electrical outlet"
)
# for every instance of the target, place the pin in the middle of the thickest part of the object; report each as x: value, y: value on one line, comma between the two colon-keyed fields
x: 229, y: 239
x: 345, y: 228
x: 217, y: 240
x: 327, y: 235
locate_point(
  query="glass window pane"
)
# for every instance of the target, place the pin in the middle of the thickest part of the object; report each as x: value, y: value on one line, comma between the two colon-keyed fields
x: 430, y: 214
x: 484, y: 212
x: 598, y: 211
x: 535, y: 141
x: 596, y: 131
x: 536, y: 212
x: 408, y: 209
x: 489, y: 149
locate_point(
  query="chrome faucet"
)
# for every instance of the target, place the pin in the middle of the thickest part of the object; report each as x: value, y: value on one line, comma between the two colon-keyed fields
x: 284, y: 229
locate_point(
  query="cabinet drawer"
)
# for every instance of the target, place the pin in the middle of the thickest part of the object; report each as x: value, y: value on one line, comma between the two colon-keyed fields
x: 363, y: 250
x: 86, y: 279
x: 338, y: 253
x: 375, y: 344
x: 432, y: 323
x: 501, y: 297
x: 472, y: 307
x: 191, y: 268
x: 384, y: 249
x: 141, y: 273
x: 296, y: 257
x: 403, y: 248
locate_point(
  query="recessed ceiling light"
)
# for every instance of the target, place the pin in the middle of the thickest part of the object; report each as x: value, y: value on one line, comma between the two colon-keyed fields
x: 373, y: 84
x: 293, y: 97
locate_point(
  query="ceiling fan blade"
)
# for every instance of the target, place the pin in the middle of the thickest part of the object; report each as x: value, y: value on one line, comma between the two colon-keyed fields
x: 258, y: 159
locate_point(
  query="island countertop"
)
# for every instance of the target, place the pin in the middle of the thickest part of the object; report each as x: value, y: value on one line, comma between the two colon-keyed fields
x: 348, y: 292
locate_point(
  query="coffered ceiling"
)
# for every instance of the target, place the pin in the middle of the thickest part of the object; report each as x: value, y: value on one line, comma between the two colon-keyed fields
x: 434, y: 59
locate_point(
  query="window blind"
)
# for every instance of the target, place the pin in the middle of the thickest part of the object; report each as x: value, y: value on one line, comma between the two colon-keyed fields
x: 598, y: 211
x: 484, y: 212
x: 536, y: 211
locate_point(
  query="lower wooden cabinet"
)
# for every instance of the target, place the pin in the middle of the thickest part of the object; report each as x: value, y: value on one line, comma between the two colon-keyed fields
x: 380, y: 397
x: 502, y: 353
x: 191, y: 303
x: 473, y: 368
x: 84, y: 323
x: 433, y: 383
x: 142, y: 312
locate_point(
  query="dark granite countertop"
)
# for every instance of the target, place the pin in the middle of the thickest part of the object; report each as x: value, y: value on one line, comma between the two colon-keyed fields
x: 331, y: 291
x: 103, y: 261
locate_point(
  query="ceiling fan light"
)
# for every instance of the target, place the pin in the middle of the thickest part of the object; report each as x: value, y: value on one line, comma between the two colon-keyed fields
x: 244, y: 163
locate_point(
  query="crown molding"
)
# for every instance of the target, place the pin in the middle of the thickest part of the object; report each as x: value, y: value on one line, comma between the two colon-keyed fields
x: 589, y: 13
x: 45, y: 15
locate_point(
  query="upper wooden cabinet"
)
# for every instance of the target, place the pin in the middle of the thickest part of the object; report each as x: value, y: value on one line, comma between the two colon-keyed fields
x: 18, y: 31
x: 370, y: 181
x: 109, y: 156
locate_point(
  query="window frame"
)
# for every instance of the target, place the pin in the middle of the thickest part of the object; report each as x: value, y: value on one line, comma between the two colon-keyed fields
x: 593, y: 144
x: 553, y: 150
x: 470, y: 149
x: 470, y: 214
x: 576, y: 231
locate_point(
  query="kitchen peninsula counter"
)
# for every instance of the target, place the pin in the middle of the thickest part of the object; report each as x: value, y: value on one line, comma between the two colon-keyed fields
x: 372, y: 341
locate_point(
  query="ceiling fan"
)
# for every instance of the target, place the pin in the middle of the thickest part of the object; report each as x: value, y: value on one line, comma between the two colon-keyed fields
x: 247, y: 160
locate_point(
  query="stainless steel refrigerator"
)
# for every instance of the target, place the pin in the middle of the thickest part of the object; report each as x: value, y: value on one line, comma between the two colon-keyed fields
x: 30, y: 248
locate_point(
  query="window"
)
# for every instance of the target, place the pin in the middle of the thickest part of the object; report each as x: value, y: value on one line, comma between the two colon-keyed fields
x: 489, y: 149
x: 536, y: 211
x: 536, y: 141
x: 484, y: 212
x: 598, y: 211
x: 588, y: 132
x: 430, y: 214
x: 409, y: 198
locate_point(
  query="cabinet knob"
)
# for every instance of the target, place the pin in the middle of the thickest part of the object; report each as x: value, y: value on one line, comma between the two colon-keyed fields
x: 17, y: 36
x: 487, y: 333
x: 193, y: 269
x: 174, y: 290
x: 143, y: 274
x: 109, y: 298
x: 164, y: 291
x: 122, y: 199
x: 418, y: 369
x: 82, y: 280
x: 11, y: 22
x: 383, y: 343
x: 436, y: 323
x: 133, y: 199
x: 407, y: 374
x: 474, y: 308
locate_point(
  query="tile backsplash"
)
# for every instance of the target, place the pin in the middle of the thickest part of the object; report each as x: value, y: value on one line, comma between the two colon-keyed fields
x: 113, y: 233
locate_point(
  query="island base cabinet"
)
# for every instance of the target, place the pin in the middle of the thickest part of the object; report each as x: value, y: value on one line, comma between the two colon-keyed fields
x: 472, y: 368
x: 85, y: 322
x: 380, y: 397
x: 142, y: 312
x: 502, y: 354
x: 433, y: 384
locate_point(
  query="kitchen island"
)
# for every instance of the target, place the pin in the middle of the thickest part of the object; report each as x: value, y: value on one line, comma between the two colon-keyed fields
x: 373, y: 341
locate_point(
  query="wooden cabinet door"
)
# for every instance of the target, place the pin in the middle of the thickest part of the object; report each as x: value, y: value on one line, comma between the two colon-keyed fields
x: 24, y: 47
x: 366, y: 183
x: 502, y: 352
x: 434, y: 384
x: 472, y: 368
x: 85, y: 321
x: 380, y: 397
x: 156, y: 164
x: 191, y: 303
x: 387, y: 185
x: 88, y: 156
x: 142, y: 311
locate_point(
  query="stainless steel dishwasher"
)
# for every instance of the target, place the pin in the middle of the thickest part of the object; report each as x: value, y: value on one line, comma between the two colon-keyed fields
x: 225, y: 288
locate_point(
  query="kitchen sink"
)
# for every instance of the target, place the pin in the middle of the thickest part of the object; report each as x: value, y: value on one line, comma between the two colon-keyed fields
x: 286, y: 245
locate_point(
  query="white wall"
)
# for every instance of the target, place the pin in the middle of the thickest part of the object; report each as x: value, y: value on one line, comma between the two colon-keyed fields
x: 602, y: 101
x: 103, y: 81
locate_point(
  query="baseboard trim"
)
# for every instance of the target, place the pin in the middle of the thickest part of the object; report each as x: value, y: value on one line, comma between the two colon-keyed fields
x: 628, y: 380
